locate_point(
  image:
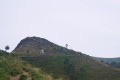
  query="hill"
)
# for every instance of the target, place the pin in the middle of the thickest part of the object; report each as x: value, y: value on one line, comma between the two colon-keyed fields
x: 58, y: 61
x: 36, y: 45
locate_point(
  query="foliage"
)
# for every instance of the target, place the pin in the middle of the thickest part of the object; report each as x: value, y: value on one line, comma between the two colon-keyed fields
x: 15, y: 72
x: 114, y: 64
x: 23, y: 77
x: 35, y: 75
x: 3, y: 53
x: 108, y: 60
x: 7, y: 47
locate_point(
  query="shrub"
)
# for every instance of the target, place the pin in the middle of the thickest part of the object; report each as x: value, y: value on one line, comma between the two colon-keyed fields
x: 23, y: 77
x: 26, y: 69
x: 15, y: 72
x: 35, y: 75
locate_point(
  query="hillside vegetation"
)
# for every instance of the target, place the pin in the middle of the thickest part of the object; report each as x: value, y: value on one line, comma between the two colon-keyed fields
x: 113, y: 62
x: 12, y: 68
x: 59, y: 61
x: 108, y: 60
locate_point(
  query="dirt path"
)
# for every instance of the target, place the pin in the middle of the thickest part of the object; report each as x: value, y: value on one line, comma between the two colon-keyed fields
x: 28, y: 75
x: 14, y: 77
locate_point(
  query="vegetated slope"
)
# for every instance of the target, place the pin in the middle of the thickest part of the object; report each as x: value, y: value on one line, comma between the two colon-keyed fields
x: 109, y: 60
x: 62, y: 62
x: 113, y: 62
x: 12, y: 68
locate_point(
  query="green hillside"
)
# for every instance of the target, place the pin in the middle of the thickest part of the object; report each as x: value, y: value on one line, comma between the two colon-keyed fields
x: 59, y: 62
x: 12, y: 68
x: 113, y: 62
x: 109, y: 60
x: 74, y: 67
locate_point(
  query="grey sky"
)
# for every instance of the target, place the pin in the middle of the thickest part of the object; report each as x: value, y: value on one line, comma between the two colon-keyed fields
x: 88, y: 26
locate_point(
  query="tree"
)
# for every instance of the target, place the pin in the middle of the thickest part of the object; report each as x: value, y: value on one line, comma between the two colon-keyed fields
x: 7, y: 47
x: 66, y: 62
x: 102, y: 61
x: 66, y: 45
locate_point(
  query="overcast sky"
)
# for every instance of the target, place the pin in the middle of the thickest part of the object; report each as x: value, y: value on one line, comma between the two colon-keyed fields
x: 88, y: 26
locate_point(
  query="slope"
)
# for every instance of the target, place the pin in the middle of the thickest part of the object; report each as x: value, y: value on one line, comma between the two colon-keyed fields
x: 113, y: 62
x: 12, y: 68
x: 109, y: 60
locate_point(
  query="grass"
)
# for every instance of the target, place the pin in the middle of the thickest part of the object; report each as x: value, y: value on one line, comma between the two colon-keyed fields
x: 74, y: 67
x: 12, y: 66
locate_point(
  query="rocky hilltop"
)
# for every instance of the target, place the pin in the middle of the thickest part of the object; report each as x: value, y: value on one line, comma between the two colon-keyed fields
x: 35, y: 45
x: 40, y: 46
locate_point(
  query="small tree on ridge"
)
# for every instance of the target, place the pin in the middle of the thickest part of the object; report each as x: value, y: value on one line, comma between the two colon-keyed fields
x: 7, y: 47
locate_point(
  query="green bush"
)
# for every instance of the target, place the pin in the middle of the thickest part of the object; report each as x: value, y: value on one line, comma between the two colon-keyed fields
x: 26, y: 69
x: 55, y: 76
x: 15, y: 72
x: 35, y: 75
x: 3, y: 53
x: 23, y: 77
